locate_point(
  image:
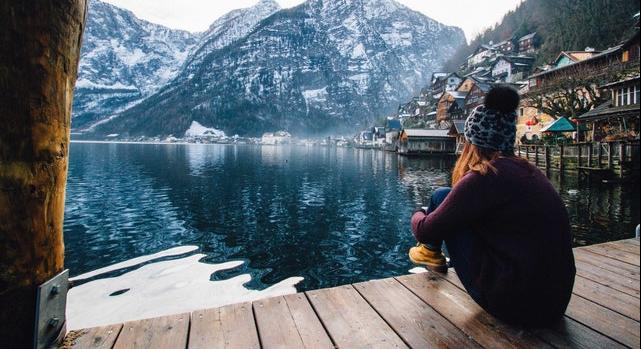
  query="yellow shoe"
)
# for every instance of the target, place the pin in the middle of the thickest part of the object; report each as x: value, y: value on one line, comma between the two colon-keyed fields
x: 433, y: 259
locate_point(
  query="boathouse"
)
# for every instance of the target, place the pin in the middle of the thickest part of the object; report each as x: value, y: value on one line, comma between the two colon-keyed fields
x: 421, y: 141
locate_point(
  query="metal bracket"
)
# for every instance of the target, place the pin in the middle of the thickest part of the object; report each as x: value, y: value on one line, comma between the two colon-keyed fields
x: 51, y: 303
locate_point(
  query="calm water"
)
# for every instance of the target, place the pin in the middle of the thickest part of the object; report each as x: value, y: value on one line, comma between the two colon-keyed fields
x: 331, y: 216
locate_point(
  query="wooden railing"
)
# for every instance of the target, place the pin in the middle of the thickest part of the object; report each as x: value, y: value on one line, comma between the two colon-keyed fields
x: 621, y: 157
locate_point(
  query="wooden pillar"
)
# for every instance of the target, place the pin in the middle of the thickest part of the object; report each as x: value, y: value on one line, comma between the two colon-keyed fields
x: 39, y: 51
x: 579, y: 157
x: 536, y: 155
x: 600, y: 154
x: 561, y: 164
x: 527, y: 152
x: 590, y: 152
x: 622, y: 149
x: 547, y: 158
x: 610, y: 156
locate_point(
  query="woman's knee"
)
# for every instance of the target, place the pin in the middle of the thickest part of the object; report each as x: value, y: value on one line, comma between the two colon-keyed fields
x: 439, y: 196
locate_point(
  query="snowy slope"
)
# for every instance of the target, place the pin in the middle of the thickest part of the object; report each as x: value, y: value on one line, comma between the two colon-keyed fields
x: 323, y: 66
x: 123, y: 60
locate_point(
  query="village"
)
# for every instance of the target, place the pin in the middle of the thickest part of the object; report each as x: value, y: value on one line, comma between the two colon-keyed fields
x: 579, y: 112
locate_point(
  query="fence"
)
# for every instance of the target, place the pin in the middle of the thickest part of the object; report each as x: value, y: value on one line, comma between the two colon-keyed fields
x: 607, y: 158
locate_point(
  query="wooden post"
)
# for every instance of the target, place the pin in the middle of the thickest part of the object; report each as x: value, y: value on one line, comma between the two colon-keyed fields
x: 610, y: 157
x: 590, y: 151
x: 600, y: 154
x: 547, y: 158
x: 40, y: 48
x: 561, y: 165
x: 579, y: 156
x: 536, y: 155
x: 621, y: 159
x: 527, y: 152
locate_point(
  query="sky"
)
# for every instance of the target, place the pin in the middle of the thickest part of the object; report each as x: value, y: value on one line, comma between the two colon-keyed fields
x: 196, y: 15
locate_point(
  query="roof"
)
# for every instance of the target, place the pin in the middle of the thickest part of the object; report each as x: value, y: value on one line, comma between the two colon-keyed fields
x: 605, y: 53
x: 620, y: 82
x: 457, y: 94
x: 458, y: 127
x: 607, y: 110
x: 576, y: 56
x: 426, y: 133
x: 562, y: 124
x: 529, y: 36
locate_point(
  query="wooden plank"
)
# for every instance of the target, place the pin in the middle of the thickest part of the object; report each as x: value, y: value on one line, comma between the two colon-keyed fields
x: 350, y: 321
x: 308, y: 324
x: 613, y: 265
x: 624, y: 246
x: 633, y: 242
x: 231, y: 326
x: 457, y: 306
x: 277, y: 328
x: 163, y: 332
x: 604, y: 277
x: 614, y: 325
x: 607, y: 297
x: 615, y: 253
x: 568, y: 333
x: 418, y: 324
x: 97, y: 337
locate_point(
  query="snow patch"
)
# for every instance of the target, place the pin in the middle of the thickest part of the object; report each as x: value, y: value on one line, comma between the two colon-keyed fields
x: 198, y: 130
x: 162, y: 288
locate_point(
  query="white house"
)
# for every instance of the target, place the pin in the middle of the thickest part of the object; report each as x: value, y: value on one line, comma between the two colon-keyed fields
x: 280, y: 137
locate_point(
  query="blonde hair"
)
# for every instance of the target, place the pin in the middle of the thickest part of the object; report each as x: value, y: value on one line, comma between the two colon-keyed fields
x: 476, y: 159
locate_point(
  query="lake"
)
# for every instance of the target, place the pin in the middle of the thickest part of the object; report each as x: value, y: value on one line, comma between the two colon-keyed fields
x: 239, y: 222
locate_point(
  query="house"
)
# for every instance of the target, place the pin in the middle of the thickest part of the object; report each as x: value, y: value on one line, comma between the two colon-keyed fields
x: 393, y: 129
x: 448, y: 82
x: 481, y: 53
x: 618, y: 118
x: 569, y: 57
x: 458, y: 132
x: 527, y: 43
x: 280, y: 137
x: 476, y: 95
x: 505, y: 47
x: 421, y: 141
x: 447, y: 100
x: 379, y: 134
x: 511, y: 68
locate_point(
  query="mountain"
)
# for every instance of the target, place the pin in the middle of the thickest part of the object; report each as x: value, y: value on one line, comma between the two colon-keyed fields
x: 323, y: 66
x: 123, y: 60
x: 561, y: 25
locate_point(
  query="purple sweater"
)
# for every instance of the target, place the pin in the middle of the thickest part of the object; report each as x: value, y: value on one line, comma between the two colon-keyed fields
x: 525, y: 230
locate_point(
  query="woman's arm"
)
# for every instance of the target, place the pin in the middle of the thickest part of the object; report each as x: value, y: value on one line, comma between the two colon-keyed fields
x: 472, y: 198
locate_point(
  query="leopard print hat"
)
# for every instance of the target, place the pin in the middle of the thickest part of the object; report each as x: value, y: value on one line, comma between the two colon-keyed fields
x: 491, y: 129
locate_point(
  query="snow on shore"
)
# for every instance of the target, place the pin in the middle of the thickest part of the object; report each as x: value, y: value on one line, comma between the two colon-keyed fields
x: 163, y: 288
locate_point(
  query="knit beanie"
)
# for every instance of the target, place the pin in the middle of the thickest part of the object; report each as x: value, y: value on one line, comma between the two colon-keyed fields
x: 493, y: 125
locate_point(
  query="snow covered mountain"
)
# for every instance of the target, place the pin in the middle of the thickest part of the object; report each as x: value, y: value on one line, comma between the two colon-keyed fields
x: 323, y: 66
x: 123, y: 60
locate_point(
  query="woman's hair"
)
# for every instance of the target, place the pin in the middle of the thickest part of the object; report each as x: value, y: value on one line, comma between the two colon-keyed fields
x: 476, y: 159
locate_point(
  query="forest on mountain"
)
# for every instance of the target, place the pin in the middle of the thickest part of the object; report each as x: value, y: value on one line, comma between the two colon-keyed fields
x: 560, y: 25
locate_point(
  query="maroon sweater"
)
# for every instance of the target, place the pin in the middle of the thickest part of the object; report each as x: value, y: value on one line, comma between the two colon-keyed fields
x: 526, y: 263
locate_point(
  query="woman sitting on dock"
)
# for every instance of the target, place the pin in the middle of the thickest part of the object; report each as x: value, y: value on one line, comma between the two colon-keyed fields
x: 517, y: 265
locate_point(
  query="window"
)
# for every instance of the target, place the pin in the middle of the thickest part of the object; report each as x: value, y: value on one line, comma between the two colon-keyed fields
x: 636, y: 94
x: 626, y: 56
x: 619, y: 97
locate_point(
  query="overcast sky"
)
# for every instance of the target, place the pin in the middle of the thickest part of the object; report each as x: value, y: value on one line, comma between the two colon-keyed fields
x: 196, y: 15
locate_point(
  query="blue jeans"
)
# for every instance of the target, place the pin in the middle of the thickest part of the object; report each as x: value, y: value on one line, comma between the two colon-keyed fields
x: 464, y: 249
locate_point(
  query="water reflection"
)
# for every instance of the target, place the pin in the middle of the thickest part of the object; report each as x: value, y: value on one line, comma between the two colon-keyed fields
x: 332, y: 216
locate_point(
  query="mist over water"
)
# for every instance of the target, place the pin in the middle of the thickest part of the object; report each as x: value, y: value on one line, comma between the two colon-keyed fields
x: 244, y: 218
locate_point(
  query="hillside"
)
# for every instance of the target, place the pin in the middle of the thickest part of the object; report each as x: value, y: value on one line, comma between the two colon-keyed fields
x: 323, y: 66
x: 560, y: 25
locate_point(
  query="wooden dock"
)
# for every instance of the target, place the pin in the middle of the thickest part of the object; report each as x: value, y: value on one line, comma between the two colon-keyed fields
x: 415, y: 311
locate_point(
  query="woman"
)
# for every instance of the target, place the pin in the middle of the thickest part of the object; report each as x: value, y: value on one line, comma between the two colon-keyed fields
x: 505, y: 227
